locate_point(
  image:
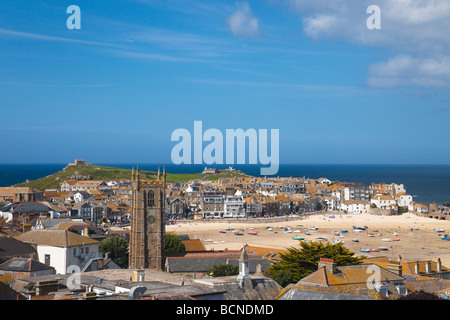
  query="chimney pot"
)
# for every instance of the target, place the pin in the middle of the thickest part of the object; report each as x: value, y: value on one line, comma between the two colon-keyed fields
x: 428, y: 267
x: 329, y: 265
x: 439, y: 265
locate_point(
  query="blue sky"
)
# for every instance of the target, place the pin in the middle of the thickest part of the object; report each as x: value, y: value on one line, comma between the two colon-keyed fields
x: 115, y: 90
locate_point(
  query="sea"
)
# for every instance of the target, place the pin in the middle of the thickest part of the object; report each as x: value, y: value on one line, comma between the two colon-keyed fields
x: 426, y: 183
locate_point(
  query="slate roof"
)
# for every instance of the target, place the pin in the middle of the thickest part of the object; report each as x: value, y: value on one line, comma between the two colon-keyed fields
x: 7, y: 293
x: 408, y: 266
x: 354, y: 275
x: 347, y: 283
x: 26, y: 207
x: 11, y: 247
x: 24, y: 265
x: 56, y: 238
x: 311, y: 294
x: 203, y: 262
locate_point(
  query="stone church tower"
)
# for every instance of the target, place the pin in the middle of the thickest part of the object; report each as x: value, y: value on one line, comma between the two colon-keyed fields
x: 147, y: 234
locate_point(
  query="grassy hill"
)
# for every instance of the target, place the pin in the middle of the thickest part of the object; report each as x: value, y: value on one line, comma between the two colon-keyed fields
x: 96, y: 172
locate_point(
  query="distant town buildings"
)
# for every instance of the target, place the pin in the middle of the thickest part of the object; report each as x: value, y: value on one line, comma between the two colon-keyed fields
x: 46, y: 235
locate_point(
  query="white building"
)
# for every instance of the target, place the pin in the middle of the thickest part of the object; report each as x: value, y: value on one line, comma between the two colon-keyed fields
x: 333, y: 203
x: 384, y: 201
x: 403, y: 199
x: 61, y: 249
x: 355, y: 206
x: 234, y: 207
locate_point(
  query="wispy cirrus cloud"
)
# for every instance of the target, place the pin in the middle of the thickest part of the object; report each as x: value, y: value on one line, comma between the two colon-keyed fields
x: 43, y: 37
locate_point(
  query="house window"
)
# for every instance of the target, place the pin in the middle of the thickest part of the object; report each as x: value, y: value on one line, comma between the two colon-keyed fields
x: 47, y: 259
x: 74, y: 252
x: 151, y: 199
x: 86, y: 250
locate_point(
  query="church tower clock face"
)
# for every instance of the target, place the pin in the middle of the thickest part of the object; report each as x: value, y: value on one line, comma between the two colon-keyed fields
x: 151, y: 219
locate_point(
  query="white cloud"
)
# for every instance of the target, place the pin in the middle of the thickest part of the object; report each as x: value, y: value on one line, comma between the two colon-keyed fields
x: 401, y: 71
x: 417, y: 30
x: 242, y: 22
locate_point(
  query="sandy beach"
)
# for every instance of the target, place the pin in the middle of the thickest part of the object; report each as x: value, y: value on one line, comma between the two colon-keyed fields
x: 411, y: 236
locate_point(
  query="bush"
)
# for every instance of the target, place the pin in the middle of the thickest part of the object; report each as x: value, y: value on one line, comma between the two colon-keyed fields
x: 221, y: 270
x: 173, y: 243
x: 117, y: 247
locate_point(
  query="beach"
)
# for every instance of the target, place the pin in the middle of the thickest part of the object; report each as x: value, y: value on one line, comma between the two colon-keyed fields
x: 408, y: 235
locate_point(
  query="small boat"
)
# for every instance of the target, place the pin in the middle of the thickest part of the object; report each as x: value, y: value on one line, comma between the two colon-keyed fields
x: 357, y: 230
x: 308, y: 233
x: 298, y: 238
x: 396, y: 239
x: 364, y: 250
x: 355, y: 240
x: 395, y: 234
x: 253, y: 233
x: 322, y: 239
x: 336, y: 241
x: 374, y: 250
x: 313, y: 228
x: 383, y: 248
x: 371, y: 235
x: 344, y: 231
x: 445, y: 237
x: 208, y: 240
x: 297, y: 231
x: 229, y: 229
x: 386, y: 239
x: 374, y: 230
x: 288, y: 230
x: 236, y: 233
x: 222, y: 231
x: 268, y: 229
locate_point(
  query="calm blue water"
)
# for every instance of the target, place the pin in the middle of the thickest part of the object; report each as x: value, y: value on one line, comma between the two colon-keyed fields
x: 429, y: 183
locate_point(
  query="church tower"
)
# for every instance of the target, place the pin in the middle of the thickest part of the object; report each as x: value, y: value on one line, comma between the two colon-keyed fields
x: 147, y: 234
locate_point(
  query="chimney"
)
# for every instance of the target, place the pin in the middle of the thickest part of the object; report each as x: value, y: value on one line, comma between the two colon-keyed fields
x: 44, y: 287
x: 85, y: 232
x: 26, y: 227
x: 89, y: 294
x: 394, y: 266
x: 416, y: 268
x: 138, y: 275
x: 439, y: 265
x: 428, y: 267
x: 328, y: 264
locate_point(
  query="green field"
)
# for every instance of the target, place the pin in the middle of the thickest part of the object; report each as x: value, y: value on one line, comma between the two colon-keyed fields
x: 112, y: 173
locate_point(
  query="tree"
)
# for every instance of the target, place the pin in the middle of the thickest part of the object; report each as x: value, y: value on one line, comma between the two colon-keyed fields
x: 421, y: 295
x: 117, y: 247
x: 221, y: 270
x: 298, y: 263
x: 173, y: 243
